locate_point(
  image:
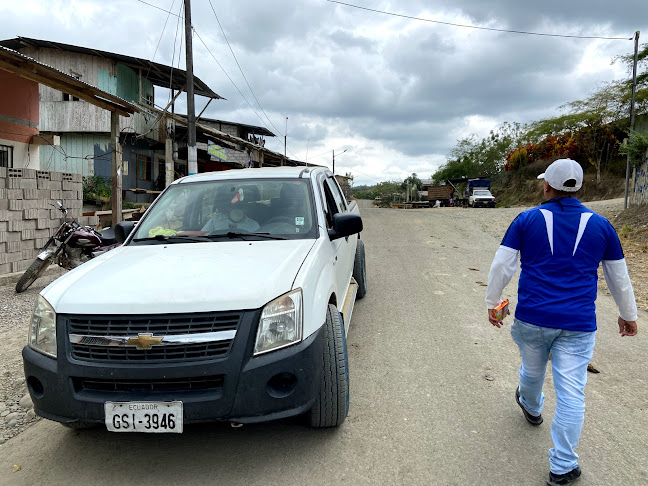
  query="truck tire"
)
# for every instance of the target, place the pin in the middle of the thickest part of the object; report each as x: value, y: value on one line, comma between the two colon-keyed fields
x: 360, y: 269
x: 34, y: 271
x: 332, y: 403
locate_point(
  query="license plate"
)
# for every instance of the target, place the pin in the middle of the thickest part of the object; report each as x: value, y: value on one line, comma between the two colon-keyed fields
x: 150, y: 417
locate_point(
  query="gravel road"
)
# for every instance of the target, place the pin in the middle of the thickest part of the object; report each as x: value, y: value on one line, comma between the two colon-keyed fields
x: 432, y: 388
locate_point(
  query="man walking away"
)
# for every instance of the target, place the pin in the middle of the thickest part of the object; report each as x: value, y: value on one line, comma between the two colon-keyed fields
x: 561, y: 244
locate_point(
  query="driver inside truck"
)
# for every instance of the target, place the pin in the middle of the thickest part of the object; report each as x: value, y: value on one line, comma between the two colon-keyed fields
x: 230, y: 213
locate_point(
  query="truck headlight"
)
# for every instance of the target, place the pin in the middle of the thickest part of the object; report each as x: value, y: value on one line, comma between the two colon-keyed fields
x: 281, y: 323
x: 42, y: 331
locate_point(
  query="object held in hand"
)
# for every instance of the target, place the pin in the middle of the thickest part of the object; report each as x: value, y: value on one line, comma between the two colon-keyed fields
x: 501, y: 311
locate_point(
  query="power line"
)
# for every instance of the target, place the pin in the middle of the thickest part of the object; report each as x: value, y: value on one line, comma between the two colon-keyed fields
x: 228, y: 76
x: 467, y: 26
x: 160, y: 39
x: 324, y: 153
x: 222, y: 69
x: 175, y: 41
x: 240, y: 69
x: 358, y: 172
x: 232, y: 81
x: 159, y: 8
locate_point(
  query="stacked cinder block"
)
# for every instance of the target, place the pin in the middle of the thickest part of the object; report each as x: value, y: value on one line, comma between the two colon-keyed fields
x: 27, y: 217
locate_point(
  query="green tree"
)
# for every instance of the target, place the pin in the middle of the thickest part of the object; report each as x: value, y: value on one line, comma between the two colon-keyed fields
x: 472, y: 157
x: 414, y: 184
x: 387, y: 191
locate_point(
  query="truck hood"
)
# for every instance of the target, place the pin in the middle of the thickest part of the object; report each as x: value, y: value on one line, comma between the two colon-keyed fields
x: 178, y: 278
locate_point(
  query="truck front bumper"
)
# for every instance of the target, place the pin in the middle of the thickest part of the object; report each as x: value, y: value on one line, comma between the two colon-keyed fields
x: 237, y: 387
x: 483, y: 204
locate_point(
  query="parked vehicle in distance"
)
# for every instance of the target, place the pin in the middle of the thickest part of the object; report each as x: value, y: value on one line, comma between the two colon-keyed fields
x: 230, y: 300
x: 440, y: 193
x: 71, y: 245
x: 481, y: 198
x: 478, y: 193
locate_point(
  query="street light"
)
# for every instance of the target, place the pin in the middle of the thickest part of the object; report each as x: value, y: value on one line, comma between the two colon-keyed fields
x: 334, y: 159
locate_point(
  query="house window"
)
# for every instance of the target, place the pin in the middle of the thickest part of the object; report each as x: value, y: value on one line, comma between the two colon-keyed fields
x: 69, y: 97
x: 144, y: 167
x: 6, y: 156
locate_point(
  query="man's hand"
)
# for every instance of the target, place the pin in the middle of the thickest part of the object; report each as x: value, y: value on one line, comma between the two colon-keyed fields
x: 493, y: 320
x: 626, y: 328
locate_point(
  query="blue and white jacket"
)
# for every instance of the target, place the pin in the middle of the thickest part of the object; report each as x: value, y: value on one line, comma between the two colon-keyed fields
x: 561, y: 245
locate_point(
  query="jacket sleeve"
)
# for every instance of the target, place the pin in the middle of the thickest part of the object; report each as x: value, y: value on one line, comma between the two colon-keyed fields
x: 502, y: 269
x: 618, y: 281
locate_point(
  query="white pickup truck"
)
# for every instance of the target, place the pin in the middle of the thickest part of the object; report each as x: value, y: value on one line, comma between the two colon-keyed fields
x: 481, y: 197
x: 230, y: 300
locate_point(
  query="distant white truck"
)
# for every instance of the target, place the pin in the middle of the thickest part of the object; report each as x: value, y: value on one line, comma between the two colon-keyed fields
x: 229, y: 300
x: 478, y: 193
x: 481, y: 198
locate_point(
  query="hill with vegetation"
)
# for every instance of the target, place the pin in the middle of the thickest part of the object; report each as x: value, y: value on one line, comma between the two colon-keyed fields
x: 594, y: 131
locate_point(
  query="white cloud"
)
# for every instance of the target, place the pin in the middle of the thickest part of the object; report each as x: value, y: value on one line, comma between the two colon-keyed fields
x: 396, y: 93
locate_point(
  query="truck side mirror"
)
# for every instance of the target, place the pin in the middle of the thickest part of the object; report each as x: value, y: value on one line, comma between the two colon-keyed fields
x: 123, y: 229
x: 345, y: 225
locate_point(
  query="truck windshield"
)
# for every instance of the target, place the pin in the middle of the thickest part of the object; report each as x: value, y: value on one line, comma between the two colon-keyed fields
x: 481, y: 193
x: 262, y: 207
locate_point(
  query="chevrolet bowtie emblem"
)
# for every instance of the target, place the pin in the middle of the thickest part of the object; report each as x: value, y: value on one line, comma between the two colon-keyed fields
x: 144, y: 341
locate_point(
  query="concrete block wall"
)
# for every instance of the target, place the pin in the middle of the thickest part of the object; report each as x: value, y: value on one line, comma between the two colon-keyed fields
x: 27, y: 219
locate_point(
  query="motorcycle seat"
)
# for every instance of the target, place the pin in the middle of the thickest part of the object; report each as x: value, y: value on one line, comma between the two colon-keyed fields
x: 107, y: 236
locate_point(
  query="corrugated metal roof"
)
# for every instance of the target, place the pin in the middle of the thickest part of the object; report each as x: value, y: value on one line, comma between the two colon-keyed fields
x: 25, y: 66
x: 159, y: 74
x: 253, y: 128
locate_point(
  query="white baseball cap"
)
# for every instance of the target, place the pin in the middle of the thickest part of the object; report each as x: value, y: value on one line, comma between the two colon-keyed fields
x: 564, y: 175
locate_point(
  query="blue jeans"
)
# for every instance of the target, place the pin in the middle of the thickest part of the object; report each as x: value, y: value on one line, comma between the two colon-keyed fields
x: 571, y: 351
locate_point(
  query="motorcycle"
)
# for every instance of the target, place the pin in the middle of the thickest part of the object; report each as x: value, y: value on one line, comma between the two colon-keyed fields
x: 71, y: 245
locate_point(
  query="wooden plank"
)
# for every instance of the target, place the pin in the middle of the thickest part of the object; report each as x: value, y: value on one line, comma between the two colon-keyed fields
x: 107, y: 212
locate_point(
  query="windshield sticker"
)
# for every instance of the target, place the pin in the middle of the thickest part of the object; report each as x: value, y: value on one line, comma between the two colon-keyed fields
x: 299, y: 220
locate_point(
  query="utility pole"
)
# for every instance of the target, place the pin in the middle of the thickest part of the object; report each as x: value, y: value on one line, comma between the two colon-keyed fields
x: 334, y: 159
x: 632, y: 115
x: 285, y: 139
x: 192, y: 151
x: 116, y: 168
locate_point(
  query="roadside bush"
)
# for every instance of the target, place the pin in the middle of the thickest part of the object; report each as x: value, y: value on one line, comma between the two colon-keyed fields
x: 96, y: 188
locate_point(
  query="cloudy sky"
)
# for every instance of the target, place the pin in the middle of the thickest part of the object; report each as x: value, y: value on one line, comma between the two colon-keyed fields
x: 395, y: 93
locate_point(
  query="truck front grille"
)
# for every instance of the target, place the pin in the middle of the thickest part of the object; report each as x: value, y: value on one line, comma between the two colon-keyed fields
x: 163, y: 324
x: 156, y: 325
x: 185, y: 352
x: 203, y: 383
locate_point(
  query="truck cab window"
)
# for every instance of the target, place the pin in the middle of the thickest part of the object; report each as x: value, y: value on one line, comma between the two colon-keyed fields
x: 331, y: 206
x: 337, y: 195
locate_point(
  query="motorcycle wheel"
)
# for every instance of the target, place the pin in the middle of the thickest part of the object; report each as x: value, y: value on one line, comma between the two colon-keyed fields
x: 34, y: 271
